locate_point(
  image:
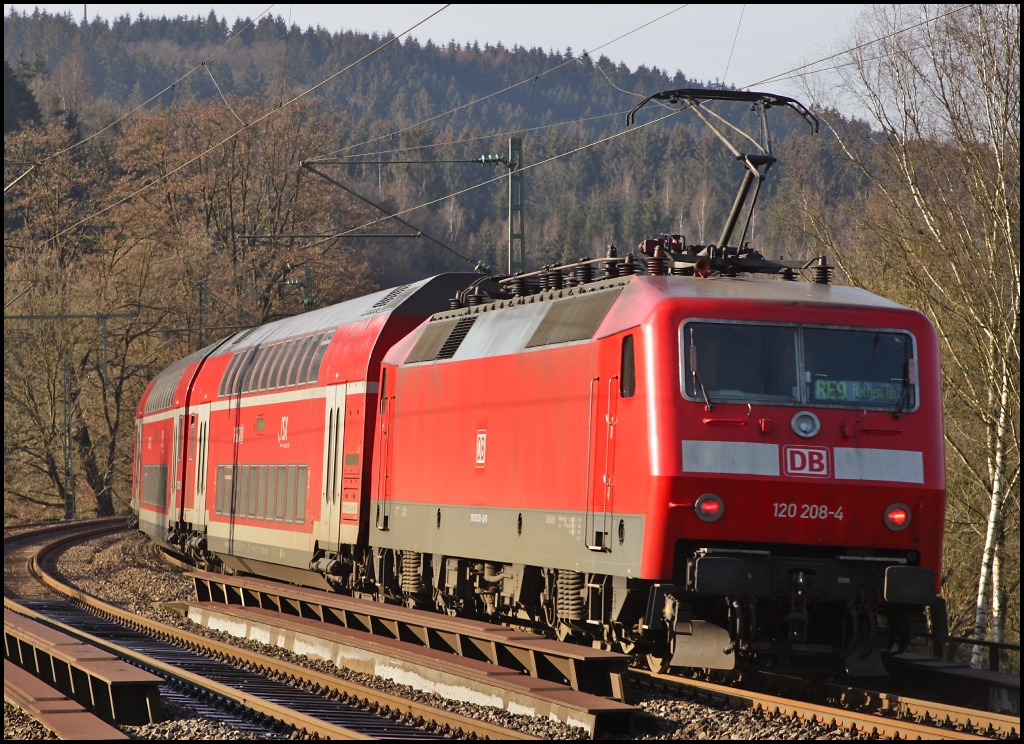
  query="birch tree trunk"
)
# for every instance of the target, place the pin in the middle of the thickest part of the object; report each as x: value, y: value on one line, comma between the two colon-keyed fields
x: 941, y: 86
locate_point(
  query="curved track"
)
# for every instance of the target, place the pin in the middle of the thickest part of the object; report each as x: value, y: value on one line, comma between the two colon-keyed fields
x: 259, y: 692
x: 940, y: 727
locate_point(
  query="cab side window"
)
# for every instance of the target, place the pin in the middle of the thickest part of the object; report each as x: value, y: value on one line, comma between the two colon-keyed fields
x: 627, y: 374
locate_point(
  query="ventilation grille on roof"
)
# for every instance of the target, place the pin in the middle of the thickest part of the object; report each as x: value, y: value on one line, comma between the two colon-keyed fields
x: 386, y: 300
x: 456, y: 337
x: 243, y: 335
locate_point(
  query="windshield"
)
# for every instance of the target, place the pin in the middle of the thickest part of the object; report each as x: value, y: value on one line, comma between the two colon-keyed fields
x: 742, y: 362
x: 856, y: 367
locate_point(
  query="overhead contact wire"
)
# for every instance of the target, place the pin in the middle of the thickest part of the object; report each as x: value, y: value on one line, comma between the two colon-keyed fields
x: 890, y: 35
x: 625, y: 131
x: 475, y: 101
x: 477, y: 138
x: 496, y: 178
x: 234, y: 134
x: 157, y: 95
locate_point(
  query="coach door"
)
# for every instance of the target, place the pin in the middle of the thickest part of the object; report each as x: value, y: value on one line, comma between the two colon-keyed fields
x: 198, y: 464
x: 330, y: 492
x: 177, y: 497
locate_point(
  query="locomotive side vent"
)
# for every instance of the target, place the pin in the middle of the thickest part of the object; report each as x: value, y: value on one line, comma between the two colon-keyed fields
x: 575, y: 319
x: 456, y: 337
x: 430, y: 342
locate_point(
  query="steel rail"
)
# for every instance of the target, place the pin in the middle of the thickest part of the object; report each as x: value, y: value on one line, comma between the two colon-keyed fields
x: 933, y: 712
x: 223, y: 651
x: 862, y: 723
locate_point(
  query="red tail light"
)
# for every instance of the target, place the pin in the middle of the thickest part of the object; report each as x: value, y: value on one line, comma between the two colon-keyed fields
x: 709, y: 507
x: 897, y: 517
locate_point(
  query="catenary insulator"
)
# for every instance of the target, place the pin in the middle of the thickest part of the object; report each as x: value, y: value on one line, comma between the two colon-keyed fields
x: 821, y: 272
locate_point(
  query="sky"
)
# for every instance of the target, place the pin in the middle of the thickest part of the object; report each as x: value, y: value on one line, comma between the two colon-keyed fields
x: 740, y: 44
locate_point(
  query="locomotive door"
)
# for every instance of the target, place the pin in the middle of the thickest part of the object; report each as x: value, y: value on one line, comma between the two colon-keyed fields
x: 604, y: 406
x: 198, y: 465
x: 329, y: 528
x: 387, y: 425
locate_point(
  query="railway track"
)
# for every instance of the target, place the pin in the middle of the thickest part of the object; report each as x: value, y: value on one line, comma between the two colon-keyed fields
x: 246, y: 690
x: 857, y: 710
x: 860, y: 712
x: 913, y: 719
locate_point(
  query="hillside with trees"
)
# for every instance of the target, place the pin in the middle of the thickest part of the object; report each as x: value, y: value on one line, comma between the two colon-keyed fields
x: 167, y: 201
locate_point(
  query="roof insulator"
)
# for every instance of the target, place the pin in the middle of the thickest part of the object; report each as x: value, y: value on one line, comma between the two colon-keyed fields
x: 822, y: 272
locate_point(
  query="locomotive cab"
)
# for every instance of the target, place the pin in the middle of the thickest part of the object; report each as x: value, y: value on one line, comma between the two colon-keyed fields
x: 805, y: 516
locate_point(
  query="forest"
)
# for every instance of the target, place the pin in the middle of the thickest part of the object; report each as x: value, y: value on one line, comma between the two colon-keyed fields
x: 169, y: 181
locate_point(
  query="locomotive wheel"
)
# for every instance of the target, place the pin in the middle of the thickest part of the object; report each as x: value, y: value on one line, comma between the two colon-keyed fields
x: 658, y: 663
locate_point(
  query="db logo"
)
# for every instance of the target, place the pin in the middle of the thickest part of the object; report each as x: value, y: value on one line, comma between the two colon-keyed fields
x: 481, y: 448
x: 806, y: 461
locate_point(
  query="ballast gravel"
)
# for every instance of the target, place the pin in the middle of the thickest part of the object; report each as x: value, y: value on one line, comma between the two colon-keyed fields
x: 186, y: 724
x: 20, y: 725
x: 123, y: 570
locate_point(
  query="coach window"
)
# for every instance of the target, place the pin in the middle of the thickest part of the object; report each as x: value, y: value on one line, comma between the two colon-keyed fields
x: 282, y: 491
x: 300, y: 492
x: 270, y: 373
x: 219, y: 503
x: 228, y: 373
x: 282, y: 374
x: 262, y: 358
x: 192, y: 437
x: 275, y: 366
x: 253, y: 483
x: 308, y: 359
x: 266, y: 361
x: 242, y: 491
x: 289, y: 515
x: 261, y: 493
x: 300, y: 355
x: 271, y: 493
x: 314, y: 367
x: 627, y: 374
x: 244, y: 368
x: 257, y: 368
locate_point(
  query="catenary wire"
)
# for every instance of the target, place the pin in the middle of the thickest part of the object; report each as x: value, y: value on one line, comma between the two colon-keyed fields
x: 728, y: 64
x: 788, y: 75
x: 484, y: 183
x: 576, y: 58
x: 157, y: 95
x: 234, y: 134
x: 478, y: 137
x: 498, y: 178
x: 626, y: 131
x: 926, y: 21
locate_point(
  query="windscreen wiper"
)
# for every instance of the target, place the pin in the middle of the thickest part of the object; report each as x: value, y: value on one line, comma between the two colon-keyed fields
x: 696, y: 376
x: 904, y: 393
x: 703, y: 392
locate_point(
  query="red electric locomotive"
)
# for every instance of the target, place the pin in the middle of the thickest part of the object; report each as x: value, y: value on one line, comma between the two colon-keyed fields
x: 657, y: 453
